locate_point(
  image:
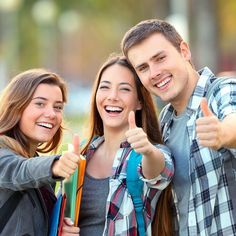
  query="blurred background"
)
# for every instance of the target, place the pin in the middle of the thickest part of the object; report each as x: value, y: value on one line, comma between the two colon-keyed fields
x: 74, y: 37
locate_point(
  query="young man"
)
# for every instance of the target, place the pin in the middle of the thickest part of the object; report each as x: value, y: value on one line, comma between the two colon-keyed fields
x: 201, y: 136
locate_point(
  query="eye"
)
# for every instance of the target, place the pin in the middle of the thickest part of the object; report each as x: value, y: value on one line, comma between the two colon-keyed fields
x: 39, y: 104
x: 58, y: 107
x: 160, y: 58
x: 103, y: 87
x: 142, y: 69
x: 125, y: 89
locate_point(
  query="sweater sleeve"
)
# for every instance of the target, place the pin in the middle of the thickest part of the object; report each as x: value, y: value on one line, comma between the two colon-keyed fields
x: 20, y: 173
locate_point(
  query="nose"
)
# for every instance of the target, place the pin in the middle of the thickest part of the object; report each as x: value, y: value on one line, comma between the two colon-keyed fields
x: 154, y: 71
x: 50, y: 113
x: 113, y: 94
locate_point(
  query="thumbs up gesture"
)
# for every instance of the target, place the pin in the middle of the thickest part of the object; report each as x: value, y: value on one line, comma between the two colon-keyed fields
x: 137, y: 137
x: 209, y: 128
x: 69, y: 160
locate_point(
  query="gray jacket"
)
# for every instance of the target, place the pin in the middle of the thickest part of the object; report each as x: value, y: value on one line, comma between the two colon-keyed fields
x: 18, y: 173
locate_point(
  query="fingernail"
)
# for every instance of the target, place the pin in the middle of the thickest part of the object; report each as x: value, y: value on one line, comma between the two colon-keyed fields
x: 71, y: 222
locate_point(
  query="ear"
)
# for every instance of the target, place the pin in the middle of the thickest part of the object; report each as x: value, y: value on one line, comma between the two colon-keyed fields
x: 185, y: 51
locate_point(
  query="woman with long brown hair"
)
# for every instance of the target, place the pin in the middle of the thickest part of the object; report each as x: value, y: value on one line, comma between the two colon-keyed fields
x: 31, y: 109
x: 122, y: 119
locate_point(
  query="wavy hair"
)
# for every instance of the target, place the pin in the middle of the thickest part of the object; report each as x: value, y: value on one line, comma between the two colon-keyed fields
x: 13, y: 101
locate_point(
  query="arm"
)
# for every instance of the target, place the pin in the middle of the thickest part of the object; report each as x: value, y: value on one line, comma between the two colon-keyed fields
x: 228, y: 135
x: 153, y: 161
x: 216, y: 130
x: 19, y: 173
x: 214, y: 133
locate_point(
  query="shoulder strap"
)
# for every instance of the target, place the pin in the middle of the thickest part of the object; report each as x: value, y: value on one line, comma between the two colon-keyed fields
x: 135, y: 189
x: 8, y: 208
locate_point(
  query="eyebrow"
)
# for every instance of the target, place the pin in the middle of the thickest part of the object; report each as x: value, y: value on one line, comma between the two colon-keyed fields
x: 105, y: 81
x: 122, y: 83
x: 153, y: 57
x: 45, y: 99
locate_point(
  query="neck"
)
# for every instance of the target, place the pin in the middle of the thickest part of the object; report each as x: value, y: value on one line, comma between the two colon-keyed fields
x: 113, y: 139
x: 32, y: 149
x: 181, y: 102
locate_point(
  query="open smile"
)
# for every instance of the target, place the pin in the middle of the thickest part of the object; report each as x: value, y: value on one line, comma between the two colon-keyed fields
x: 45, y: 125
x: 113, y: 109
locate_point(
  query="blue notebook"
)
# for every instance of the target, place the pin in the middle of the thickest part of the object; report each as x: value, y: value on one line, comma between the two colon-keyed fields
x: 57, y: 216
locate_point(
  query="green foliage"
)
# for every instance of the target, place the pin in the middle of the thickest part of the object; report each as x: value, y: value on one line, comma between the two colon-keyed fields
x: 102, y: 24
x: 74, y: 124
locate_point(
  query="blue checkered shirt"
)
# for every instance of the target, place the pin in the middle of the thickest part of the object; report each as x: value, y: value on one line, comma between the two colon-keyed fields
x: 211, y: 210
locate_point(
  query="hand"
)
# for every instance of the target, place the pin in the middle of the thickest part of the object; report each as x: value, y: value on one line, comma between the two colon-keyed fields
x: 209, y: 128
x: 68, y: 228
x: 137, y: 137
x: 66, y: 165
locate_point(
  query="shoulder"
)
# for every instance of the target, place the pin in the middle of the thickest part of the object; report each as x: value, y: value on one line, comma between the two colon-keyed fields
x: 219, y: 82
x: 220, y: 86
x: 8, y: 153
x: 221, y: 96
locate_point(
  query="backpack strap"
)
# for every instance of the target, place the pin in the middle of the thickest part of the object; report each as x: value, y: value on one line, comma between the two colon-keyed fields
x: 135, y: 189
x: 8, y: 208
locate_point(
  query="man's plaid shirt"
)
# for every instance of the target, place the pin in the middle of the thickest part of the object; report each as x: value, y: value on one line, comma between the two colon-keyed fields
x: 210, y: 206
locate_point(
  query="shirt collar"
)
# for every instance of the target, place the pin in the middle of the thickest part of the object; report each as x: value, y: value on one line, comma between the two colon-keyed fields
x: 200, y: 90
x: 100, y: 139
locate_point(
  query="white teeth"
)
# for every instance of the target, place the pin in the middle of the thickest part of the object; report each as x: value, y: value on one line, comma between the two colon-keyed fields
x: 164, y: 82
x: 47, y: 125
x: 111, y: 108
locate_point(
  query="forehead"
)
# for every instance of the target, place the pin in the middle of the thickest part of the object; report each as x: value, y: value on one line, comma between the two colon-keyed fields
x: 149, y: 47
x: 117, y: 74
x: 48, y: 91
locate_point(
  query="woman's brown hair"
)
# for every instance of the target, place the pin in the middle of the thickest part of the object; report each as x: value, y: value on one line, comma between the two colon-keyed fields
x: 13, y: 101
x: 145, y: 118
x: 162, y: 224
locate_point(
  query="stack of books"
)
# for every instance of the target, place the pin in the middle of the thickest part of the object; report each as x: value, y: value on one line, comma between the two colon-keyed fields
x: 68, y: 199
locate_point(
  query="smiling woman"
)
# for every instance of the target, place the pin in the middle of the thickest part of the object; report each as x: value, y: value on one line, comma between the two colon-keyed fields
x: 18, y: 98
x: 43, y: 116
x: 30, y: 122
x: 122, y: 119
x: 116, y: 97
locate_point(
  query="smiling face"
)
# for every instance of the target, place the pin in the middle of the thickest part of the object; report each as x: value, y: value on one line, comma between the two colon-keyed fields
x: 116, y: 96
x: 162, y: 69
x: 43, y: 116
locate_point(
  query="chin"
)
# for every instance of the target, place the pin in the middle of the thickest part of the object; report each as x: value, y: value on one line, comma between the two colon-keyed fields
x: 44, y: 139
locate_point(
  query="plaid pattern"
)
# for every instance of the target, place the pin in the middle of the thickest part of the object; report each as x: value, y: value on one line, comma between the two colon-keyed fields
x: 120, y: 213
x: 210, y: 207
